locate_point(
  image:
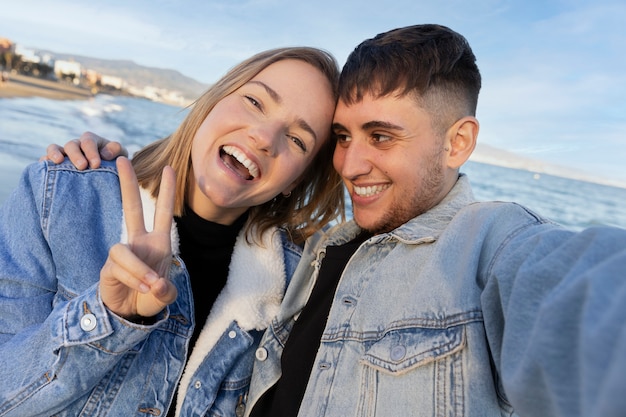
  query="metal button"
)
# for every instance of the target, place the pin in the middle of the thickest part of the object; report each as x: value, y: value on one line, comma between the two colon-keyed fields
x: 197, y: 384
x: 398, y: 353
x: 232, y: 334
x: 88, y: 322
x: 261, y: 354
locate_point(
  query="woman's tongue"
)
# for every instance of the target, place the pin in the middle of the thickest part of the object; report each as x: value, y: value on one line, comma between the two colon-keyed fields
x: 236, y: 166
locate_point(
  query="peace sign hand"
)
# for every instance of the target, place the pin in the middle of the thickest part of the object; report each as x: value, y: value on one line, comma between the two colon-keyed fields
x: 134, y: 279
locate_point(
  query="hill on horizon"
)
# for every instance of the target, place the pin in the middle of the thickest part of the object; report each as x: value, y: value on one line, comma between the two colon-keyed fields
x: 139, y: 75
x: 487, y: 154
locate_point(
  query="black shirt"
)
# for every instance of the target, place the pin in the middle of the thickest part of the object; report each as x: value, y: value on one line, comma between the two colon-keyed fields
x: 284, y: 398
x: 206, y: 249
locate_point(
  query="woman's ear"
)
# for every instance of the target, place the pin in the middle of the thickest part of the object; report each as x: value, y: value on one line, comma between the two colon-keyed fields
x: 461, y: 141
x: 287, y: 191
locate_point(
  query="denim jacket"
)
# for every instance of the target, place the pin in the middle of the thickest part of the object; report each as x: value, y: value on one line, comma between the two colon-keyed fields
x: 63, y: 353
x: 471, y: 309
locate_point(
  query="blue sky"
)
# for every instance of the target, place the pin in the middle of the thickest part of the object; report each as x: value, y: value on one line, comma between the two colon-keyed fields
x: 554, y: 72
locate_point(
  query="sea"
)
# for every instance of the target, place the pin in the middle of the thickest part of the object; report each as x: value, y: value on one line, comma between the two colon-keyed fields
x: 28, y: 125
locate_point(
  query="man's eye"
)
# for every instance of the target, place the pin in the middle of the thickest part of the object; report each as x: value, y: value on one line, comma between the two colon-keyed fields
x: 341, y: 137
x: 381, y: 138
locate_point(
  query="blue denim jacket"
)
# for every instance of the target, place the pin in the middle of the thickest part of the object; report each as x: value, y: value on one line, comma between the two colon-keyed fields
x: 472, y: 309
x: 63, y: 353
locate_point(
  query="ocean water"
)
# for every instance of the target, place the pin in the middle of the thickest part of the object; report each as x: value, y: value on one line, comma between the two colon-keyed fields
x: 28, y: 125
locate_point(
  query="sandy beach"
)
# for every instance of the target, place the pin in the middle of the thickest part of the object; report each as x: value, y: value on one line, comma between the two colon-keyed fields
x: 24, y: 86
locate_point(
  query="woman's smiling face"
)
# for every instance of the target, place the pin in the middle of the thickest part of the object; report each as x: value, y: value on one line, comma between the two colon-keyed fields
x: 257, y: 141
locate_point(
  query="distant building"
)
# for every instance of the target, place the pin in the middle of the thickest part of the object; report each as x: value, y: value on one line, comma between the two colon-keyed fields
x: 68, y: 70
x: 27, y: 55
x: 112, y: 82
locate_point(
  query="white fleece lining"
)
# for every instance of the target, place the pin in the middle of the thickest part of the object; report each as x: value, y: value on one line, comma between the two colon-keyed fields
x: 251, y: 297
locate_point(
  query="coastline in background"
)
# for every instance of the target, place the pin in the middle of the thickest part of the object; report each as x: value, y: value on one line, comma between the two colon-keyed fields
x: 17, y: 85
x: 29, y: 124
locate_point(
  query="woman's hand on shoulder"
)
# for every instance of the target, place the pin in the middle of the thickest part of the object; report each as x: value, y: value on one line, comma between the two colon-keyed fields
x: 88, y: 151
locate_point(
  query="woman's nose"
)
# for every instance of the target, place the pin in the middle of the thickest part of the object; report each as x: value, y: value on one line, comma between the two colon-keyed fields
x: 266, y: 136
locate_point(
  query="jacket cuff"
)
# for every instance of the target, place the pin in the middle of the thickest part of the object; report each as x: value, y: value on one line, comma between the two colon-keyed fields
x: 87, y: 321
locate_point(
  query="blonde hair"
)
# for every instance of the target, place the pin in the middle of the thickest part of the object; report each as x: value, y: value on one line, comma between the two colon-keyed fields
x: 314, y: 202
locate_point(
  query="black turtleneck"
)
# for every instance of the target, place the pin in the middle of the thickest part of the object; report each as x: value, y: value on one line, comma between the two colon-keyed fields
x: 206, y: 249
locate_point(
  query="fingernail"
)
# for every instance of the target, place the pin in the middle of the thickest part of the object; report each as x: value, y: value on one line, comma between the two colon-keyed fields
x: 144, y: 288
x: 151, y: 277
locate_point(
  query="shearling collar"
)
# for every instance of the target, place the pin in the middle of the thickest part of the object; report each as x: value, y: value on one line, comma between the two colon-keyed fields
x: 251, y: 297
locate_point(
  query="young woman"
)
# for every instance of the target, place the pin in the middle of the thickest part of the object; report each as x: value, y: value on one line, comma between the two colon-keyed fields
x: 247, y: 177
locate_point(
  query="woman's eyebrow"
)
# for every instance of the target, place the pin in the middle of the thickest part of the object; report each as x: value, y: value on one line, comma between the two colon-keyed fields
x: 273, y: 94
x: 278, y: 99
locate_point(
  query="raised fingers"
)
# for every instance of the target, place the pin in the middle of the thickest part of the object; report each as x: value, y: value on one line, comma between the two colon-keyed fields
x: 131, y: 199
x: 165, y: 202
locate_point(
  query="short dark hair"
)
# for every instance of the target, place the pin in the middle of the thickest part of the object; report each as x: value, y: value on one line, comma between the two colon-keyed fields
x: 431, y: 62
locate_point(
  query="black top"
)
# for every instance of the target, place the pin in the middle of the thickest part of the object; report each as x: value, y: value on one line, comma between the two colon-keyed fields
x: 206, y: 249
x: 284, y: 398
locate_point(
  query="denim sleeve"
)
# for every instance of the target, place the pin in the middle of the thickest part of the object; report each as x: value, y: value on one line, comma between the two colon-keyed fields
x: 54, y: 347
x: 555, y: 316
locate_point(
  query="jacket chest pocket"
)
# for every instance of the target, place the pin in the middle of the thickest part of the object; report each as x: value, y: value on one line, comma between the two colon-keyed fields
x: 413, y: 369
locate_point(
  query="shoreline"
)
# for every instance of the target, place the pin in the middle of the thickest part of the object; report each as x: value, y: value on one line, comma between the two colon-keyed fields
x: 24, y: 86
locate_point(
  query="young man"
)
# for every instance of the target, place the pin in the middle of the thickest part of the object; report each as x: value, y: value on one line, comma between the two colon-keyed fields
x: 428, y: 303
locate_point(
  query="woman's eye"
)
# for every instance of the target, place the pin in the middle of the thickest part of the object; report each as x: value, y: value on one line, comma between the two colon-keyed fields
x: 298, y: 142
x: 254, y: 102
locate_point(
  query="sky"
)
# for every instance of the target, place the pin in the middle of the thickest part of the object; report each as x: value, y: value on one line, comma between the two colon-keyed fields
x: 554, y: 72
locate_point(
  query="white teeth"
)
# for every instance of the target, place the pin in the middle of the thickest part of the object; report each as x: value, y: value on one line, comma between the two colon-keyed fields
x: 243, y: 160
x: 369, y: 191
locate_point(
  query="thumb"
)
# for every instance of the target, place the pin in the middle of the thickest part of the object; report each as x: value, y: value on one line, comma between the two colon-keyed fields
x: 164, y: 291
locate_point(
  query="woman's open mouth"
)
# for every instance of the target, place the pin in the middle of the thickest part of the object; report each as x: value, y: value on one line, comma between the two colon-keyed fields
x: 239, y: 162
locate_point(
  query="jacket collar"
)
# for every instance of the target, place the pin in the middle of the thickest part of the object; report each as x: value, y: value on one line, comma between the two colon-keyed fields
x: 432, y: 223
x: 427, y: 226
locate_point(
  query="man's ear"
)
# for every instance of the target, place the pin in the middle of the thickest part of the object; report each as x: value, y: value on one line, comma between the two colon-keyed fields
x: 461, y: 141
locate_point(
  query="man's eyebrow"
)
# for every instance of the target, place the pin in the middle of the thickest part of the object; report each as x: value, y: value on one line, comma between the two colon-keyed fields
x: 380, y: 124
x: 278, y: 99
x: 371, y: 125
x: 338, y: 126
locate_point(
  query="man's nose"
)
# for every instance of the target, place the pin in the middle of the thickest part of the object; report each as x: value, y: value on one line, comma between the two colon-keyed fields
x: 352, y: 160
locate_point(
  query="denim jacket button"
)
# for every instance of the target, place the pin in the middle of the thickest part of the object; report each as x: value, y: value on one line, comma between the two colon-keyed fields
x: 232, y: 334
x: 261, y: 354
x: 88, y: 322
x: 398, y: 352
